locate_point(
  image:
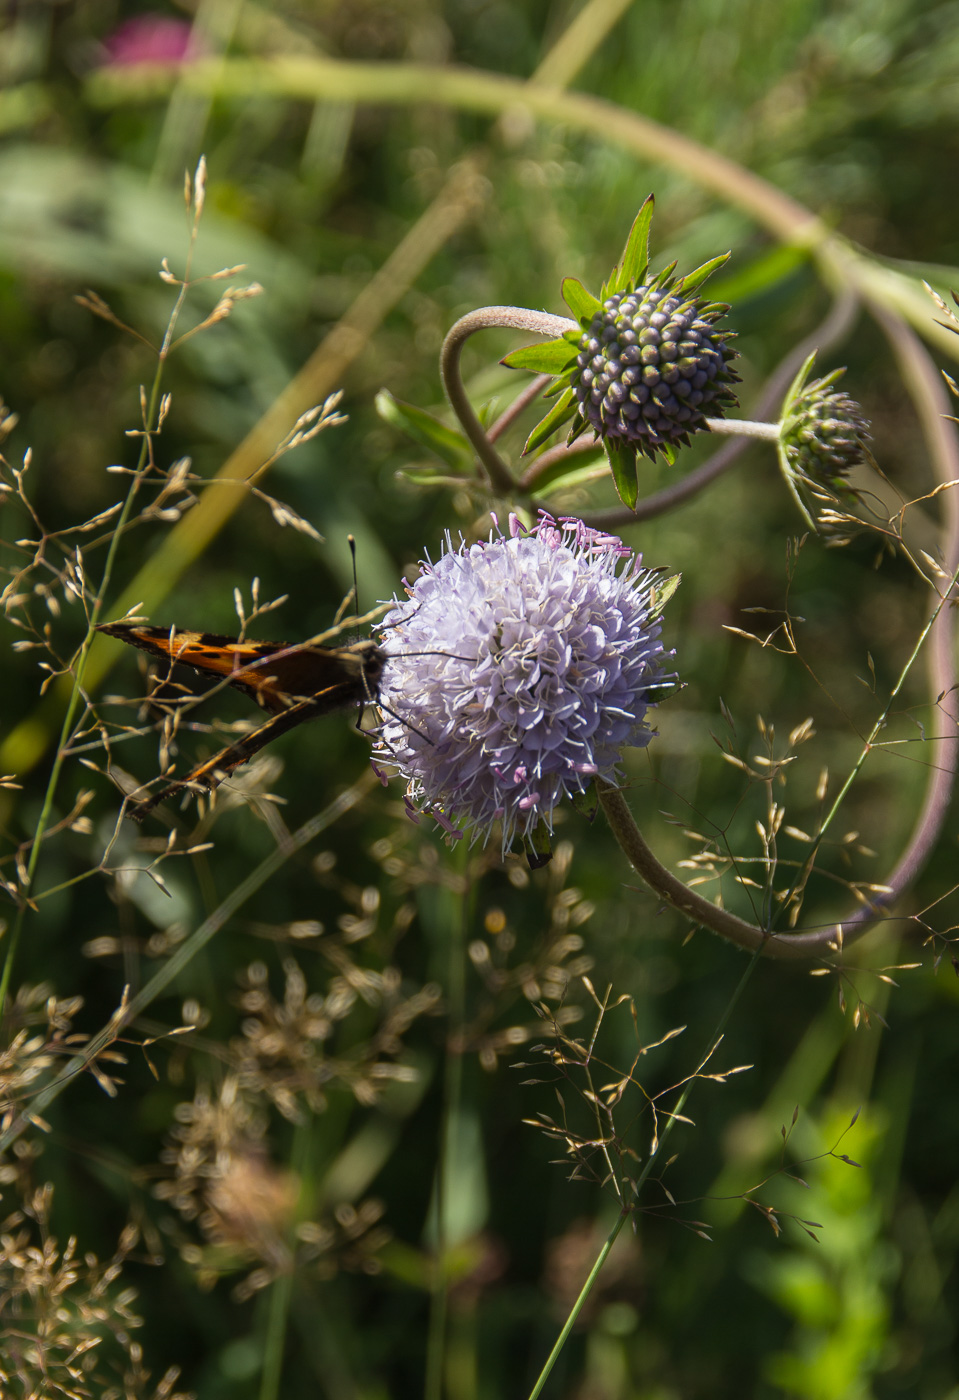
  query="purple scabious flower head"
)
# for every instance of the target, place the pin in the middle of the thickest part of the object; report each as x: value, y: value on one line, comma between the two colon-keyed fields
x: 640, y: 365
x: 516, y: 671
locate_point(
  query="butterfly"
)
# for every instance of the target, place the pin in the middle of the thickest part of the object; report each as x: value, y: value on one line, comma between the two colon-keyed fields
x: 295, y: 682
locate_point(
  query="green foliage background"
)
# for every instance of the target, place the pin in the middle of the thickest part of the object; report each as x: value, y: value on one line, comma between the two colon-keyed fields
x: 850, y: 109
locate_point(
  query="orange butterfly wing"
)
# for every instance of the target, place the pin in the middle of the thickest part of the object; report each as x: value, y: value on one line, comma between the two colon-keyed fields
x: 295, y: 683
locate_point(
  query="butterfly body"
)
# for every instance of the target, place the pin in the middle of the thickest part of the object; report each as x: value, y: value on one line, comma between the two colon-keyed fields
x: 294, y: 682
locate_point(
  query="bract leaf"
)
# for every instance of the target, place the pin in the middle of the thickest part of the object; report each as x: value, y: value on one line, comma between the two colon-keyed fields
x: 798, y: 384
x: 548, y: 357
x: 622, y: 462
x: 635, y: 260
x: 698, y: 276
x: 553, y: 420
x: 587, y: 802
x: 538, y: 846
x: 661, y: 592
x: 764, y: 273
x: 582, y: 303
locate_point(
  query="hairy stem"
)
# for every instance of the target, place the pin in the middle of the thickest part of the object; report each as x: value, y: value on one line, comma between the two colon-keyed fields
x: 743, y: 427
x: 498, y: 475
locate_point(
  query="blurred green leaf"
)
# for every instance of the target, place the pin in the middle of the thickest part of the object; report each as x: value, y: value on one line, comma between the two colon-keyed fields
x: 448, y: 444
x: 576, y: 470
x: 760, y: 274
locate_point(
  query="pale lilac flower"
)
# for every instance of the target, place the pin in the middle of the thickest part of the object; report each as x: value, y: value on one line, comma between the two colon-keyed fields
x: 517, y: 670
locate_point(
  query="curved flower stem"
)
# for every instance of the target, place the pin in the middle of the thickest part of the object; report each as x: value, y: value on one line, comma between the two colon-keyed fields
x: 664, y: 883
x: 518, y: 318
x: 317, y: 78
x: 498, y: 473
x: 925, y: 386
x: 942, y: 767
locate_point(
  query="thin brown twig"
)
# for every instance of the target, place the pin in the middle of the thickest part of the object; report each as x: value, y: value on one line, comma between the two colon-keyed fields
x: 522, y: 401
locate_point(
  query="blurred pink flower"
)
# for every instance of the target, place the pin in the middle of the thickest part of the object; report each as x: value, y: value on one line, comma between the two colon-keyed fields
x: 152, y: 39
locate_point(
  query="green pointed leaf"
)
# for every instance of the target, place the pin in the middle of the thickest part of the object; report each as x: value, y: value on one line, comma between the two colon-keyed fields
x: 669, y: 452
x: 582, y: 303
x: 622, y: 462
x: 635, y: 260
x: 559, y: 385
x: 449, y: 445
x: 712, y: 310
x: 663, y: 277
x: 695, y: 279
x: 661, y: 592
x: 554, y: 419
x: 797, y: 386
x: 548, y: 357
x: 791, y: 480
x: 580, y: 425
x: 587, y: 802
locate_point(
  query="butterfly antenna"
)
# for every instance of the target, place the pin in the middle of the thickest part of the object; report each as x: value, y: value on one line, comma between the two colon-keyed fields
x: 351, y: 541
